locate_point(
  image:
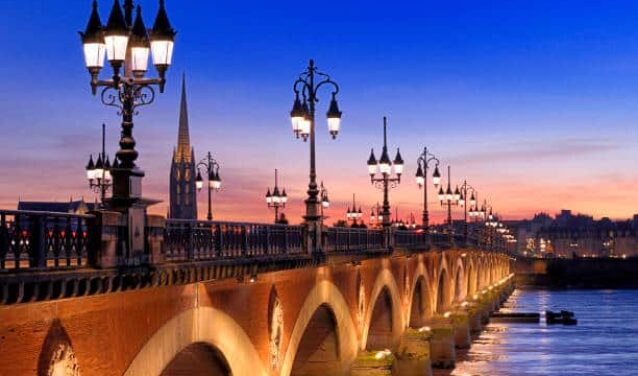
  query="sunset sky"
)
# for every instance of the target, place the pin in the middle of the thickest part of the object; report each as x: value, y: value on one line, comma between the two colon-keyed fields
x: 535, y: 103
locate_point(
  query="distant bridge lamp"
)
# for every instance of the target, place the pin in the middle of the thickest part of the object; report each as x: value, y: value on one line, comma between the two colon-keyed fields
x: 214, y: 182
x: 468, y: 196
x: 423, y: 165
x: 325, y: 201
x: 385, y: 174
x: 126, y: 44
x: 98, y: 173
x: 276, y: 199
x: 450, y: 198
x: 354, y: 214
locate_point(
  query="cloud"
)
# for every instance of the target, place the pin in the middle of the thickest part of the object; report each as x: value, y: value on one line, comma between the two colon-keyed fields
x: 537, y: 149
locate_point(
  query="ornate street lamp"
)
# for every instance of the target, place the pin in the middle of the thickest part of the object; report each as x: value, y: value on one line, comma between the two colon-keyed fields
x: 99, y: 173
x: 412, y: 223
x: 385, y: 168
x: 211, y: 171
x: 325, y: 201
x: 354, y: 214
x: 302, y: 117
x: 450, y: 198
x: 468, y: 193
x: 127, y: 46
x: 375, y: 216
x: 423, y: 164
x: 276, y: 199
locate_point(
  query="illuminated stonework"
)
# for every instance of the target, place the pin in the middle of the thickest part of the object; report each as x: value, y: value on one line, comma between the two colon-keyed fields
x: 276, y: 327
x: 406, y: 286
x: 63, y: 362
x: 361, y: 303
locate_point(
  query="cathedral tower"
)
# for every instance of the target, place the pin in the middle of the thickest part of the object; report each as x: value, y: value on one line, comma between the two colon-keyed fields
x: 183, y: 197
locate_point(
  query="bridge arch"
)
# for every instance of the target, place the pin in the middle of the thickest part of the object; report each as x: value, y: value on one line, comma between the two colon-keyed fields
x: 198, y: 359
x: 205, y: 329
x: 420, y: 303
x: 459, y: 281
x: 443, y: 295
x: 470, y: 277
x: 323, y: 307
x: 385, y: 300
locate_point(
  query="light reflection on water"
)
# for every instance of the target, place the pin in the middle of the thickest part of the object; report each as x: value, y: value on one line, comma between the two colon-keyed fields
x: 605, y: 341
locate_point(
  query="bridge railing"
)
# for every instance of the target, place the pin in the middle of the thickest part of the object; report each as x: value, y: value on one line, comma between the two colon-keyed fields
x: 42, y: 240
x: 343, y: 239
x: 187, y: 240
x: 411, y: 238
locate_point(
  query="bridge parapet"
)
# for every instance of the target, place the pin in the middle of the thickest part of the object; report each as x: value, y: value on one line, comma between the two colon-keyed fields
x: 343, y: 239
x: 207, y: 240
x: 47, y: 256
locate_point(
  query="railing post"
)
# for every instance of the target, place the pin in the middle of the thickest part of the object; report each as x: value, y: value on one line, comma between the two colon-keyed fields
x: 219, y: 242
x: 68, y: 241
x: 156, y: 225
x: 244, y: 238
x: 268, y: 249
x: 37, y: 245
x: 286, y: 244
x: 190, y: 251
x: 4, y: 240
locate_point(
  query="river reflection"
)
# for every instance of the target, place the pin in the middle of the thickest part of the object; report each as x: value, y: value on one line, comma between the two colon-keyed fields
x: 605, y: 341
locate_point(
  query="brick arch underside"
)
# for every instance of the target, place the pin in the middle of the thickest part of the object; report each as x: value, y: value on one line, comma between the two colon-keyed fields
x: 202, y: 325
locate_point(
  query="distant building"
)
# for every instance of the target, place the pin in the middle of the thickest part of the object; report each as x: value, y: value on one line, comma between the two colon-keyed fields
x: 183, y: 199
x: 70, y: 207
x: 580, y: 235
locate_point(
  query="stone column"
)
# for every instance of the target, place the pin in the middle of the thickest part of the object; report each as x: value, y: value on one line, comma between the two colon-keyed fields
x: 413, y: 354
x: 461, y: 325
x: 442, y: 346
x: 105, y: 246
x: 474, y: 317
x: 374, y: 363
x: 155, y: 227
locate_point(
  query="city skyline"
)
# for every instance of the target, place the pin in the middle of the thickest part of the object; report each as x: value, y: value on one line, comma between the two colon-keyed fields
x: 540, y: 139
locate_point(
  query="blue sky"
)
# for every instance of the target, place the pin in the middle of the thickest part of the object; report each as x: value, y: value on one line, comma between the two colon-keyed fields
x: 534, y: 102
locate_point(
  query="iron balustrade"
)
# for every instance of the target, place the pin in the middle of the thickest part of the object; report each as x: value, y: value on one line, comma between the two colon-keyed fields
x: 57, y: 241
x: 188, y: 240
x: 43, y: 240
x: 343, y: 239
x: 411, y: 239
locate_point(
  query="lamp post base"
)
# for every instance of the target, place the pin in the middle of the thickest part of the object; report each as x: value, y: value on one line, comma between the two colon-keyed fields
x: 127, y: 188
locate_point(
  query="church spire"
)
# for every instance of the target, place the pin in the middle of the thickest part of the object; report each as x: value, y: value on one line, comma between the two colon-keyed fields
x: 183, y: 137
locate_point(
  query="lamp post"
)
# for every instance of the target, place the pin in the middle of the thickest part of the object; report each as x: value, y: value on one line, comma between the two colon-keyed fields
x: 491, y: 222
x: 99, y: 173
x: 465, y: 190
x: 211, y: 170
x: 475, y: 212
x: 354, y: 215
x: 450, y: 199
x: 385, y: 168
x: 325, y: 201
x: 302, y: 117
x: 423, y: 164
x: 276, y: 199
x: 375, y: 215
x: 127, y: 44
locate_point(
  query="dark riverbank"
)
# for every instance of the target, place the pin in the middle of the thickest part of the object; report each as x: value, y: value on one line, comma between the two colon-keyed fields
x: 582, y: 273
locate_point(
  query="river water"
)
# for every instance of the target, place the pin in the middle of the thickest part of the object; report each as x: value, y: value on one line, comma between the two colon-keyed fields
x: 605, y: 341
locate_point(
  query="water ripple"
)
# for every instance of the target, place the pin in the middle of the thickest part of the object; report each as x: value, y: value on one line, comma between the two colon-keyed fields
x: 604, y: 343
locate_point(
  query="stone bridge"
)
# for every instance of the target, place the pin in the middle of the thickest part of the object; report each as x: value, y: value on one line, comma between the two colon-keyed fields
x: 394, y: 311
